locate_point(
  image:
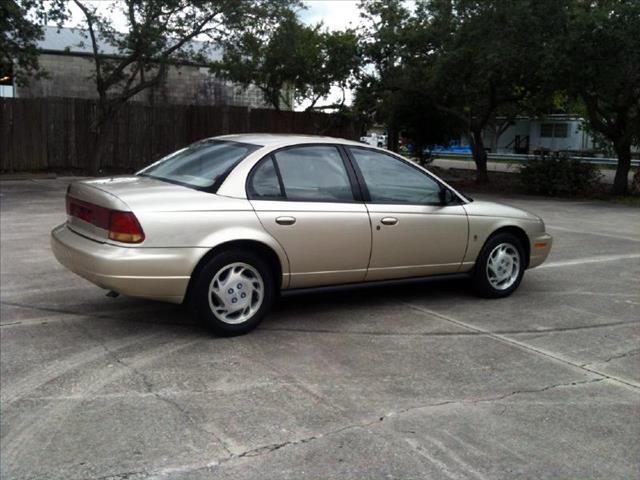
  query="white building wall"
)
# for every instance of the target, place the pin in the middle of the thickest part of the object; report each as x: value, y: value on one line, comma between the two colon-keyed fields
x: 71, y: 76
x: 576, y: 138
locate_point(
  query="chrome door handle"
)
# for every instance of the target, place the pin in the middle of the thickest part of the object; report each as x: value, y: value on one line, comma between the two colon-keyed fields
x: 285, y: 220
x: 389, y: 221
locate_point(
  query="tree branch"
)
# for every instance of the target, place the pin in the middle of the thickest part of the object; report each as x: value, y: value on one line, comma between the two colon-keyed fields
x: 96, y: 54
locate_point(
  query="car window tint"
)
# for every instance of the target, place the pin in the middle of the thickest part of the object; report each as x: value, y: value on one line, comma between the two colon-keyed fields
x: 264, y: 182
x: 390, y: 180
x: 314, y: 173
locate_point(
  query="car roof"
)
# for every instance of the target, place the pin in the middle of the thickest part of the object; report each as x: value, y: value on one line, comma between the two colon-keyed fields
x: 283, y: 139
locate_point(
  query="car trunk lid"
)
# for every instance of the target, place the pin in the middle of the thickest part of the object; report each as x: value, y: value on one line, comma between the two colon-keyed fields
x: 137, y: 194
x: 93, y: 206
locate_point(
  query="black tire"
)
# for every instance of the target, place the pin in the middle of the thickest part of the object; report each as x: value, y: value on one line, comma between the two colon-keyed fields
x: 480, y: 278
x: 199, y: 296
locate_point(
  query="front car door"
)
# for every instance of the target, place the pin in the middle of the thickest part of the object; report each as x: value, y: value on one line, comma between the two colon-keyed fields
x: 413, y: 234
x: 306, y: 197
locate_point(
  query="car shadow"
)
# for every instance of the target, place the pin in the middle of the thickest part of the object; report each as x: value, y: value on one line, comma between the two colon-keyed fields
x: 289, y: 311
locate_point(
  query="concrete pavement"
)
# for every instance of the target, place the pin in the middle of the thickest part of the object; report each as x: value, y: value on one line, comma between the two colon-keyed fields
x: 425, y: 381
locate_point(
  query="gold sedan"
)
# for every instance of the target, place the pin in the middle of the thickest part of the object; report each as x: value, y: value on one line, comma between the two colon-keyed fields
x: 226, y: 223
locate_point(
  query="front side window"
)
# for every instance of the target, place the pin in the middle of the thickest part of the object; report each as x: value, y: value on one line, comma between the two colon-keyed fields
x: 313, y: 173
x: 390, y: 180
x: 201, y: 164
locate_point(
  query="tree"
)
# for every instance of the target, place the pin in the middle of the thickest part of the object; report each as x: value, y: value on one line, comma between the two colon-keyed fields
x: 598, y: 61
x: 158, y: 34
x: 292, y: 63
x: 385, y: 80
x: 487, y: 59
x: 21, y: 26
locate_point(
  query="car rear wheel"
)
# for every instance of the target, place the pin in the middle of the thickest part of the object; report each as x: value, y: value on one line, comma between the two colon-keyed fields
x: 233, y: 292
x: 499, y: 267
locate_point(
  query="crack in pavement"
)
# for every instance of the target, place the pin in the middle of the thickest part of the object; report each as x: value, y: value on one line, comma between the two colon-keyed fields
x: 148, y: 385
x: 270, y: 448
x: 615, y: 357
x: 132, y: 475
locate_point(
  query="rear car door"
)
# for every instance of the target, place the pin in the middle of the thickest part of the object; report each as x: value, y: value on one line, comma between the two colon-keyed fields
x: 413, y: 233
x: 306, y: 197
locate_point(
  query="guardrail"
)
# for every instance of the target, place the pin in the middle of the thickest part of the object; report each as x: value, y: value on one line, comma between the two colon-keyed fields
x: 505, y: 157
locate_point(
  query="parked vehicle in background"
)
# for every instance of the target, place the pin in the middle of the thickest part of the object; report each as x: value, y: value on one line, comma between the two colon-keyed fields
x: 375, y: 140
x: 227, y: 223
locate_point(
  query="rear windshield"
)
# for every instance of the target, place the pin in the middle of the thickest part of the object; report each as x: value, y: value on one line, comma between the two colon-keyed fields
x: 201, y: 165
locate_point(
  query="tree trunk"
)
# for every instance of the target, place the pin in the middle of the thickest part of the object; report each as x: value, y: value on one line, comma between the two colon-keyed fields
x: 621, y: 180
x: 392, y: 138
x: 97, y: 149
x: 479, y: 156
x: 96, y: 154
x: 103, y: 119
x: 635, y: 183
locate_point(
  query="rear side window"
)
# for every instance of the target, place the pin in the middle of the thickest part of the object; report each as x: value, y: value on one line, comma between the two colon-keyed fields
x: 313, y: 173
x: 390, y: 180
x: 264, y: 183
x: 203, y: 164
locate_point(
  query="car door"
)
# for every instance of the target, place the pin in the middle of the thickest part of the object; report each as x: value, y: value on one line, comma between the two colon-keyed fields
x: 306, y: 197
x: 413, y: 234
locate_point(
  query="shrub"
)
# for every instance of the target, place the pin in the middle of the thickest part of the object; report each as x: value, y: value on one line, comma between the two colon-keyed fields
x: 560, y: 175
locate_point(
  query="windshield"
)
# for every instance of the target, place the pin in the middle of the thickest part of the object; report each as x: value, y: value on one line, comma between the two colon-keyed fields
x: 202, y: 164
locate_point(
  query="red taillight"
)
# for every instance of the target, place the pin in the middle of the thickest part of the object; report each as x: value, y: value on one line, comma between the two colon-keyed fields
x: 88, y: 212
x: 122, y: 226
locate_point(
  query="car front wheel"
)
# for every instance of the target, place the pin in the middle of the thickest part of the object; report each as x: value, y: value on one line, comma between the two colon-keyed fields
x: 233, y: 292
x: 499, y: 267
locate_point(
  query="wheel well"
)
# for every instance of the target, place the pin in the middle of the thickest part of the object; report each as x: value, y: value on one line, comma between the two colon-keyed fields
x: 265, y: 252
x: 520, y: 235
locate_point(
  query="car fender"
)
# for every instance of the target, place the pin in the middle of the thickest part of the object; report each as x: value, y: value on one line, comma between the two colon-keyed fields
x: 251, y: 234
x: 482, y: 227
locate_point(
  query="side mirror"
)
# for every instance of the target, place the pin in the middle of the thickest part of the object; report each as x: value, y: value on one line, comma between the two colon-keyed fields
x: 446, y: 196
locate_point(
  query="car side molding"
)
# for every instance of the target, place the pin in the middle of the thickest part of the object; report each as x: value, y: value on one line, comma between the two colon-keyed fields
x: 377, y: 283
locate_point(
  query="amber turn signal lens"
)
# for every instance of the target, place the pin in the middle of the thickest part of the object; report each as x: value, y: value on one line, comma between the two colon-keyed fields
x: 540, y: 245
x: 124, y: 227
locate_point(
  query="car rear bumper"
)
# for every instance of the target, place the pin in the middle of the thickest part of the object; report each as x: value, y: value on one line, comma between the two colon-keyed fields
x: 540, y: 248
x: 153, y: 273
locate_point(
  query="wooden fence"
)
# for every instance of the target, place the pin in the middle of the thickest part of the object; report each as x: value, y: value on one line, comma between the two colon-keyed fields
x: 54, y: 133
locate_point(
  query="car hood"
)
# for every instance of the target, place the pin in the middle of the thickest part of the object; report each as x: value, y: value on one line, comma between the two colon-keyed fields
x: 139, y: 193
x: 492, y: 209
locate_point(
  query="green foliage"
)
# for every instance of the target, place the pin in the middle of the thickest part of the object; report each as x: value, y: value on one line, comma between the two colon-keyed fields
x: 394, y: 89
x: 466, y: 61
x: 157, y: 34
x: 160, y: 33
x: 488, y: 59
x: 597, y: 60
x: 293, y: 62
x: 20, y: 28
x: 558, y: 175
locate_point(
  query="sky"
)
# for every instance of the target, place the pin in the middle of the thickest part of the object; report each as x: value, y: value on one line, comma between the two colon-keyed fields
x: 334, y: 14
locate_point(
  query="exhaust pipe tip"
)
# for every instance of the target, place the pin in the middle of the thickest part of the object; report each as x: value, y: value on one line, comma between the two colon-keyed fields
x: 112, y: 294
